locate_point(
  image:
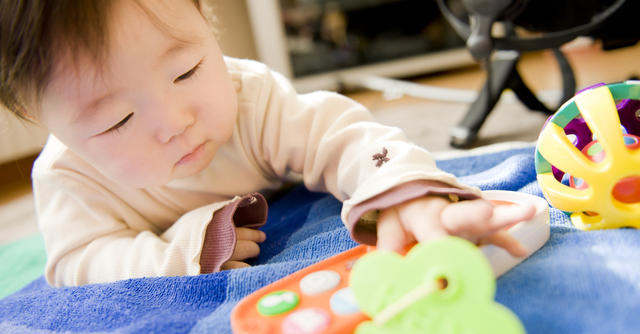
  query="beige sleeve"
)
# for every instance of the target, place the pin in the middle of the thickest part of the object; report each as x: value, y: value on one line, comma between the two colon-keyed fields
x: 333, y: 142
x: 88, y: 241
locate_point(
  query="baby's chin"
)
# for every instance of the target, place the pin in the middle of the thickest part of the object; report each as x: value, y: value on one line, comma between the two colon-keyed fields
x: 154, y: 177
x: 143, y: 182
x: 181, y: 172
x: 142, y: 179
x: 149, y: 179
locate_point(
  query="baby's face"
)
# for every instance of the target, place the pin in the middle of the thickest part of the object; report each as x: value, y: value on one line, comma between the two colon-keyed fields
x: 158, y: 111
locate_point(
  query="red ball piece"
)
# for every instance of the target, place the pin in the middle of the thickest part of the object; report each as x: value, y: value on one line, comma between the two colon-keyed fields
x: 626, y: 190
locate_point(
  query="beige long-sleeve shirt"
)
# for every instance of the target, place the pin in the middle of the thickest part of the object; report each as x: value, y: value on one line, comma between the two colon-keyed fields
x: 98, y: 231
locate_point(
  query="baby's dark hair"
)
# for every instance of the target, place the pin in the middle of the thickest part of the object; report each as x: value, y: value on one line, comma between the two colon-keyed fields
x: 34, y: 32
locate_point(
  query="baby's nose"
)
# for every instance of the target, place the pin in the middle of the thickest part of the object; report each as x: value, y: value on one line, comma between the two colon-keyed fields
x: 172, y: 123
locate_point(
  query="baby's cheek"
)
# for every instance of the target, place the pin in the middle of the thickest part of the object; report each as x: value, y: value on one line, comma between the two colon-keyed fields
x: 138, y: 170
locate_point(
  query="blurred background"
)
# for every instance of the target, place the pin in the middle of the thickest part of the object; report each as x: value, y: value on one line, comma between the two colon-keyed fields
x: 353, y: 46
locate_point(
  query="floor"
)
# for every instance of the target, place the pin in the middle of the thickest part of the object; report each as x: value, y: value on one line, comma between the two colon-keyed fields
x: 426, y: 122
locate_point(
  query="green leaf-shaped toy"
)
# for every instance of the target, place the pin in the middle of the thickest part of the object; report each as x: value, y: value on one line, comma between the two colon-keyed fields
x: 443, y: 286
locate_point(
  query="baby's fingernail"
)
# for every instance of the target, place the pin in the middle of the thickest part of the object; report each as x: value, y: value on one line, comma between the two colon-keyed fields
x: 522, y: 251
x: 263, y: 235
x: 389, y: 248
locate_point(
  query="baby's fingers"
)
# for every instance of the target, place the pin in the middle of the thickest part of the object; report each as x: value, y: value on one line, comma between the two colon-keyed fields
x: 391, y: 234
x: 506, y: 215
x: 243, y: 233
x: 233, y: 265
x: 503, y: 239
x: 479, y: 217
x: 421, y: 218
x: 245, y: 250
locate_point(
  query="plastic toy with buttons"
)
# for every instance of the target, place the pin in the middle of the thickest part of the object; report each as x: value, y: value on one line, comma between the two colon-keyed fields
x: 443, y: 286
x: 587, y: 157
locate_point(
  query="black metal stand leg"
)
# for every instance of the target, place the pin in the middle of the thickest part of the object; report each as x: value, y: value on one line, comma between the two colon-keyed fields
x: 502, y: 74
x: 525, y: 95
x: 529, y: 99
x: 499, y: 74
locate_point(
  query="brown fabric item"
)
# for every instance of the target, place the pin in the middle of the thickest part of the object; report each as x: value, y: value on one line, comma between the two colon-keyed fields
x: 365, y: 232
x: 220, y: 239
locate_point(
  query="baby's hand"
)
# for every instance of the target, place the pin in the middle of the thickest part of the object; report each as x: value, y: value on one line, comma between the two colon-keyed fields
x: 430, y: 217
x: 246, y: 248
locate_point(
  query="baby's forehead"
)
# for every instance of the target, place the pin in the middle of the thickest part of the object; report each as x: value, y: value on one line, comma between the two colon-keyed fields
x: 72, y: 87
x: 139, y: 48
x: 77, y: 68
x: 96, y: 40
x: 92, y: 61
x: 47, y: 31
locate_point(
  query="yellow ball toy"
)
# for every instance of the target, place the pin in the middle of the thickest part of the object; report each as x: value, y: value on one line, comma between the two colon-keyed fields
x: 592, y: 141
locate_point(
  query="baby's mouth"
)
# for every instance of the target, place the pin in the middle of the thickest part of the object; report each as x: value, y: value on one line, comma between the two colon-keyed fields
x: 192, y: 157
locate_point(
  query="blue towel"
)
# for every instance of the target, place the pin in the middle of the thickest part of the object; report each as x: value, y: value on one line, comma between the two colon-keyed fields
x: 579, y: 282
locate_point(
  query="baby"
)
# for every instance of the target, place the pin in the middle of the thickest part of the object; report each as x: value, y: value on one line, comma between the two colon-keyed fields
x: 161, y: 148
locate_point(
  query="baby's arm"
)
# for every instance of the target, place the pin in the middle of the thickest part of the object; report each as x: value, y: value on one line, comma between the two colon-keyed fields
x: 430, y: 217
x: 338, y: 148
x: 96, y: 231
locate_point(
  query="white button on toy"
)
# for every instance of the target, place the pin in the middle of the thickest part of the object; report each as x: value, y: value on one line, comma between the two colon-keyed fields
x: 343, y: 302
x: 307, y: 321
x: 319, y: 282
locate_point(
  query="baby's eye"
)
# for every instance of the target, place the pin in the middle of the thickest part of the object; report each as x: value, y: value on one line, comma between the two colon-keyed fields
x: 118, y: 127
x: 188, y: 74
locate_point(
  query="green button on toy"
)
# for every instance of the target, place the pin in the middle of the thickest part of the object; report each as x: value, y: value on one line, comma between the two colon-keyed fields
x: 278, y: 302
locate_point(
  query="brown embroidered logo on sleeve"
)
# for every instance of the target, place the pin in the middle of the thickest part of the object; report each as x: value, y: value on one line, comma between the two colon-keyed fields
x: 381, y: 157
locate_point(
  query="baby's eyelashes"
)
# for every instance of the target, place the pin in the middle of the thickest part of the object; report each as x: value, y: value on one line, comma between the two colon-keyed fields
x: 118, y: 127
x: 188, y: 74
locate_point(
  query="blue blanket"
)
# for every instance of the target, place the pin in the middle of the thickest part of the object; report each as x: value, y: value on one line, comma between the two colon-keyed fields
x: 579, y: 282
